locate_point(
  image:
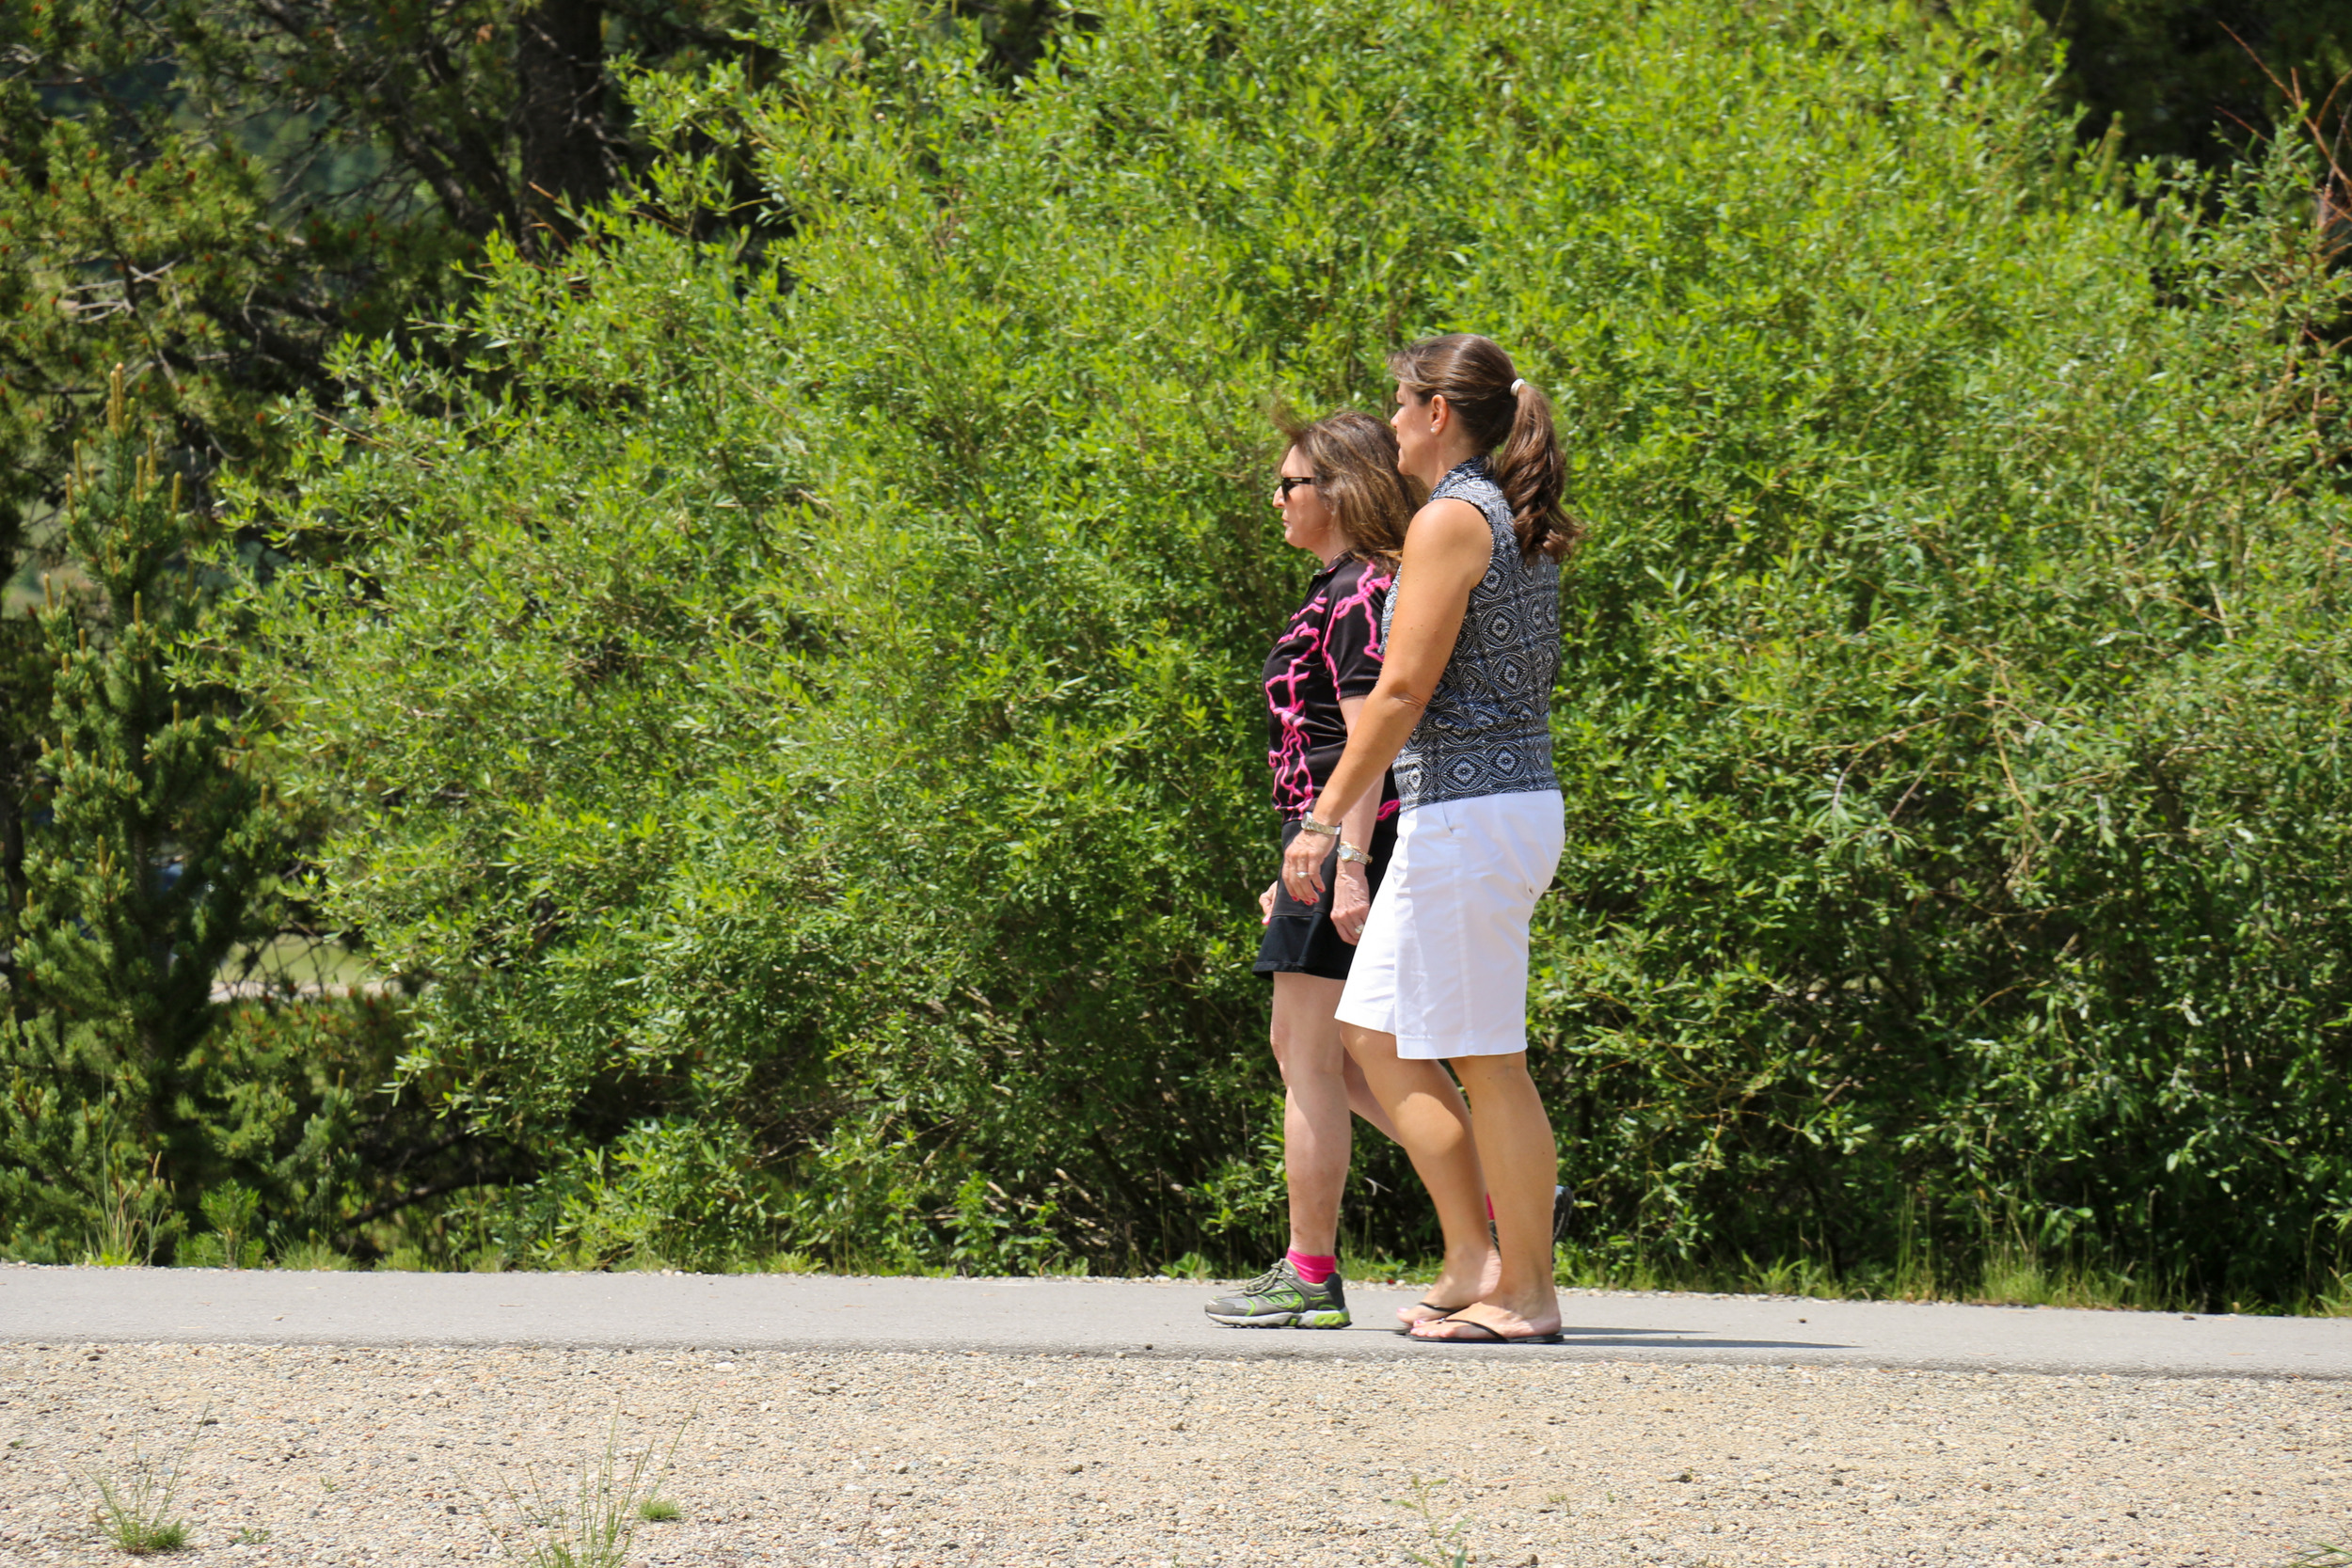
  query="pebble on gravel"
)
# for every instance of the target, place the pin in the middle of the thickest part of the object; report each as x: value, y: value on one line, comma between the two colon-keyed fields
x: 324, y: 1457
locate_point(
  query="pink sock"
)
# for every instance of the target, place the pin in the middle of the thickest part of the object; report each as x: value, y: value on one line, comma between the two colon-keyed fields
x: 1315, y: 1271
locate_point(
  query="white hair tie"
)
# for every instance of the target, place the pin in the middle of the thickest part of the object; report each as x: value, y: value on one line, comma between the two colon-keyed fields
x: 1515, y: 388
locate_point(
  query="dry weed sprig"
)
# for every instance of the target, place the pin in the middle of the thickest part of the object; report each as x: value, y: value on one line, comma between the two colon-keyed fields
x: 591, y: 1523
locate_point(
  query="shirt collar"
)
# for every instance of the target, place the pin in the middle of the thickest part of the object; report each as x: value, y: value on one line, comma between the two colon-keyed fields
x: 1470, y: 468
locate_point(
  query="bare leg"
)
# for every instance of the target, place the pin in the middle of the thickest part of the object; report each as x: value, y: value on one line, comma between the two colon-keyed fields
x: 1434, y: 1126
x: 1521, y: 1162
x: 1360, y: 1099
x: 1317, y: 1135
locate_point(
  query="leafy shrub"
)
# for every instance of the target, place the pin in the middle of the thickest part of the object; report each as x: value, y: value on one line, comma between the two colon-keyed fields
x: 793, y: 702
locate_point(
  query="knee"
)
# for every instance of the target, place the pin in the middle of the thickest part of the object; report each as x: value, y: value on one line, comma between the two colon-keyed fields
x: 1284, y: 1039
x: 1494, y: 1076
x: 1302, y: 1053
x: 1279, y: 1039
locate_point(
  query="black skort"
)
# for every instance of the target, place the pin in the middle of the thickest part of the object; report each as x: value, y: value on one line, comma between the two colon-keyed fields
x: 1300, y: 939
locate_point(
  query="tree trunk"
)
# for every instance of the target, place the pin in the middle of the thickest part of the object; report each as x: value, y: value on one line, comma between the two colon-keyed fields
x: 559, y: 63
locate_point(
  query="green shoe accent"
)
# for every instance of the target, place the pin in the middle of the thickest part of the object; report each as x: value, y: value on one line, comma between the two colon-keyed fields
x: 1280, y: 1299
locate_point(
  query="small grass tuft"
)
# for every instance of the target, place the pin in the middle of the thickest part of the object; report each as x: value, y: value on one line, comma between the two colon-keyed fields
x: 590, y: 1523
x: 313, y: 1255
x: 141, y: 1539
x: 791, y: 1262
x: 2321, y: 1555
x: 135, y: 1510
x: 135, y: 1217
x: 659, y: 1510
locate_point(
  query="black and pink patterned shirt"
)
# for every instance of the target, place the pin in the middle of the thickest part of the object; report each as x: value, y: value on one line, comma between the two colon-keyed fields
x: 1330, y: 650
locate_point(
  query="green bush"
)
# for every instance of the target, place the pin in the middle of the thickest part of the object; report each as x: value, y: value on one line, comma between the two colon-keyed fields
x: 791, y: 695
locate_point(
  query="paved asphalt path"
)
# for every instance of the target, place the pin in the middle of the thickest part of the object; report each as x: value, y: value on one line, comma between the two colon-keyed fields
x: 1105, y: 1317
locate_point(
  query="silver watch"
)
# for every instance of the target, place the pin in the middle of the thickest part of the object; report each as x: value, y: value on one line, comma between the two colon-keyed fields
x: 1308, y: 824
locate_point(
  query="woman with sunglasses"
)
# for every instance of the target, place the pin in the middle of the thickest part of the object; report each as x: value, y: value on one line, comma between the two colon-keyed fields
x: 1342, y: 501
x: 1470, y: 643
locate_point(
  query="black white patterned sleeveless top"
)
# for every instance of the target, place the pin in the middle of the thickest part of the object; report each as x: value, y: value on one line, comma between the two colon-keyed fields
x: 1488, y: 728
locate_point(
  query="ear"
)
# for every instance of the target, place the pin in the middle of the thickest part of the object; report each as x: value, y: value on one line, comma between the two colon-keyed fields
x: 1440, y: 413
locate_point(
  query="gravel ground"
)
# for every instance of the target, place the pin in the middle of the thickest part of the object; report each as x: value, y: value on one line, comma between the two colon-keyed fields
x: 412, y: 1456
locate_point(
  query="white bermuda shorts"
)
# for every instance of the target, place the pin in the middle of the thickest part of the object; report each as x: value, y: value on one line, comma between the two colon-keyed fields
x: 1442, y: 963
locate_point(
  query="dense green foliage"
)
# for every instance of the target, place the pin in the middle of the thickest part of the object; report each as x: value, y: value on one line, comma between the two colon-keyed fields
x: 793, y: 710
x: 215, y: 192
x: 204, y: 196
x: 130, y: 1099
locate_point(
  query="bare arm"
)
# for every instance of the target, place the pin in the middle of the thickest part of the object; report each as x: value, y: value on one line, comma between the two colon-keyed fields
x: 1446, y: 551
x: 1353, y: 901
x: 1357, y: 826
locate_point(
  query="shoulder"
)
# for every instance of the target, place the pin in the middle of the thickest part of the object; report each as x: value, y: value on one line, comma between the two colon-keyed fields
x: 1358, y: 578
x: 1450, y: 524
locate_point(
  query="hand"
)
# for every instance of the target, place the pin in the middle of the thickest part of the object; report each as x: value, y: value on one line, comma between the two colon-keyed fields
x: 1352, y: 904
x: 1302, y: 866
x: 1266, y: 903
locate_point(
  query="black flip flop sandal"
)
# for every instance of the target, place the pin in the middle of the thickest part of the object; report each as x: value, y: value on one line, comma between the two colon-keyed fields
x: 1442, y: 1314
x: 1493, y: 1336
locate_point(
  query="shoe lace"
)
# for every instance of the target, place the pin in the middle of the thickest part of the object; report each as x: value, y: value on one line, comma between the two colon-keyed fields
x: 1272, y: 1279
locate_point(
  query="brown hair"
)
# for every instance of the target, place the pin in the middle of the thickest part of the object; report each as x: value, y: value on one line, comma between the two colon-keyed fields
x: 1509, y: 419
x: 1354, y: 458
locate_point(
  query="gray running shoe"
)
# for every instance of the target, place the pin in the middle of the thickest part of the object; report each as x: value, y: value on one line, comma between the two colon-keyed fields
x: 1280, y: 1299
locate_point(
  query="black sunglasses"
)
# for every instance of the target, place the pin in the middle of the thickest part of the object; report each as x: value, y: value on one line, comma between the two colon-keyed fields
x: 1286, y: 484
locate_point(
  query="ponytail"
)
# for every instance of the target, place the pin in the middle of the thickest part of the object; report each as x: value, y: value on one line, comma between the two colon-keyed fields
x: 1529, y: 467
x: 1511, y: 420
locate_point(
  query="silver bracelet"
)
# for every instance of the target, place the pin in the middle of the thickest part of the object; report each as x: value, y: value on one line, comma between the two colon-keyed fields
x: 1349, y: 853
x: 1308, y: 824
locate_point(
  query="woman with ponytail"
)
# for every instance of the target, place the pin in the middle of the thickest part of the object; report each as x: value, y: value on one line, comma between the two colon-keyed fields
x: 1463, y: 711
